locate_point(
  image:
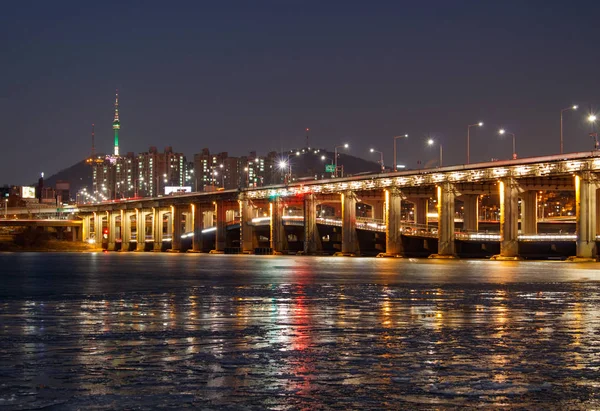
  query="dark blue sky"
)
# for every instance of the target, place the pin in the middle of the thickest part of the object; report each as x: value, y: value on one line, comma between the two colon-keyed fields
x: 251, y: 75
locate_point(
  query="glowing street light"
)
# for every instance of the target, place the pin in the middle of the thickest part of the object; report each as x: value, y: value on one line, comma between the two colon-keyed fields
x: 380, y: 158
x: 336, y: 156
x: 502, y: 132
x: 395, y: 161
x: 431, y: 142
x: 561, y: 124
x: 593, y: 134
x: 480, y: 124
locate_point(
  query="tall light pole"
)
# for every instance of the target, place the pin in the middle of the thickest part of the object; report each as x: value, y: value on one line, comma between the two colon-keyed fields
x: 336, y: 157
x: 593, y: 134
x: 432, y: 142
x: 561, y: 125
x: 380, y: 158
x: 5, y: 208
x: 480, y: 124
x: 395, y: 161
x: 514, y: 145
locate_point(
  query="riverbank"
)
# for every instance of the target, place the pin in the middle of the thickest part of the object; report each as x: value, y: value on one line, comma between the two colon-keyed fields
x: 7, y: 244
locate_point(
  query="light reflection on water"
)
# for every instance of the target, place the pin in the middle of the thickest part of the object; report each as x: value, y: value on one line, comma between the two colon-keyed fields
x: 292, y: 333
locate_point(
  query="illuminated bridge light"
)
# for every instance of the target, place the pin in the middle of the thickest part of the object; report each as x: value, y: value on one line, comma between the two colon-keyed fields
x: 261, y: 219
x: 548, y: 237
x: 208, y: 230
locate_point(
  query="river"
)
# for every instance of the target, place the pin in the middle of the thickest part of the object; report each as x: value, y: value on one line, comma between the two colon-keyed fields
x: 149, y: 330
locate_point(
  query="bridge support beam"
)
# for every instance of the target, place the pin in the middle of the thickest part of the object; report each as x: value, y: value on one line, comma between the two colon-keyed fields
x: 198, y: 220
x: 85, y: 227
x: 392, y: 214
x: 278, y: 237
x: 157, y: 222
x: 98, y: 217
x: 586, y: 214
x: 247, y: 238
x: 509, y: 219
x: 349, y: 237
x: 221, y: 233
x: 176, y: 212
x: 312, y: 240
x: 470, y: 212
x: 112, y: 230
x: 140, y: 230
x: 126, y: 229
x: 446, y: 195
x: 529, y: 212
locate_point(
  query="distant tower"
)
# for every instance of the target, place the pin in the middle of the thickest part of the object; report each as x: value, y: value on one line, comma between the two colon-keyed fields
x: 116, y: 124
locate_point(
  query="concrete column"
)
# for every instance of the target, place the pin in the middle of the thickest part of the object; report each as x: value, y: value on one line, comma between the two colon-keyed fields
x: 247, y: 237
x: 140, y: 230
x: 349, y: 236
x: 98, y: 228
x: 176, y: 212
x: 278, y: 237
x: 393, y: 209
x: 85, y: 227
x: 221, y: 234
x: 378, y: 209
x: 312, y: 240
x: 586, y: 213
x: 112, y: 230
x: 198, y: 217
x: 189, y: 220
x: 209, y: 218
x: 157, y: 229
x: 470, y: 212
x: 446, y: 195
x: 421, y: 210
x: 125, y: 229
x: 509, y: 218
x: 529, y: 212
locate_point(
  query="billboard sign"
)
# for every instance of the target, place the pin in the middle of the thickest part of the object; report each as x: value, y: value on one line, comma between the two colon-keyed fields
x: 27, y: 192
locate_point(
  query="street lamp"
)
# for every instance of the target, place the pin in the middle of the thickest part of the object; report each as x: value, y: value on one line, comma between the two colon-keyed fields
x: 380, y: 158
x: 480, y: 124
x: 336, y: 157
x: 561, y: 124
x: 432, y: 142
x: 395, y: 161
x: 502, y: 132
x: 593, y: 134
x: 6, y: 208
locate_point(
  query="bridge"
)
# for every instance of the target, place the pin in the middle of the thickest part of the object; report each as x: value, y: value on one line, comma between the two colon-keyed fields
x: 279, y: 218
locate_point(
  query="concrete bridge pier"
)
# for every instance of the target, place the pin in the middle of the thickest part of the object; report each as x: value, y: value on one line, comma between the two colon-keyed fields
x: 176, y: 212
x: 221, y: 233
x: 312, y: 239
x: 126, y: 229
x: 350, y: 244
x: 509, y: 220
x: 98, y: 217
x: 248, y: 240
x: 421, y: 208
x: 85, y: 227
x: 157, y: 222
x: 198, y: 226
x: 112, y: 230
x: 470, y: 212
x: 529, y: 212
x: 586, y: 187
x: 140, y: 230
x: 392, y: 215
x: 446, y: 195
x: 278, y: 237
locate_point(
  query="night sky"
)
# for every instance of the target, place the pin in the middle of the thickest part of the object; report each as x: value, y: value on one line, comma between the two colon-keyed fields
x: 252, y: 75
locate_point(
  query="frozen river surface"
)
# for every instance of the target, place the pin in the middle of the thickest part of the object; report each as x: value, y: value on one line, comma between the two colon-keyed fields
x: 145, y: 331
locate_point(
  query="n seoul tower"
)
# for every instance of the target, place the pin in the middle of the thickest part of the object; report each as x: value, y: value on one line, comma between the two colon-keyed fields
x: 116, y: 124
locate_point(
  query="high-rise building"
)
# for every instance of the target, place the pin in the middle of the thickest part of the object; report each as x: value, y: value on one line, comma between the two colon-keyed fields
x: 155, y: 171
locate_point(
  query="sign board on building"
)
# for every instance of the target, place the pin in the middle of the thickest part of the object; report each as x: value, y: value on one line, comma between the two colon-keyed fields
x: 329, y: 168
x: 170, y: 190
x: 27, y: 192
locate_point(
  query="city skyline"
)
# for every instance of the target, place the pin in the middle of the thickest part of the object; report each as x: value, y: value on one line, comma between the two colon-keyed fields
x: 254, y: 78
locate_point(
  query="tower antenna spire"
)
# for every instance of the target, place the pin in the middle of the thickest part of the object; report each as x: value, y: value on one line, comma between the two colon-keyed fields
x: 116, y: 123
x: 93, y: 142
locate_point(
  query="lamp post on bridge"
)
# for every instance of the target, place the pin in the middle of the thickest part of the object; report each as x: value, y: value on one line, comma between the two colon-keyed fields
x: 593, y: 134
x: 380, y: 158
x: 395, y: 160
x: 480, y: 124
x: 431, y: 142
x: 514, y: 144
x: 335, y: 156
